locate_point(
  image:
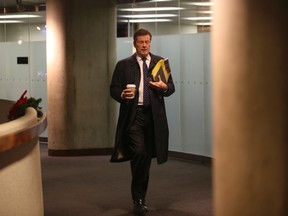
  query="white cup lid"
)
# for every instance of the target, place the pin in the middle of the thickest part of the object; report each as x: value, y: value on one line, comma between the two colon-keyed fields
x: 130, y: 86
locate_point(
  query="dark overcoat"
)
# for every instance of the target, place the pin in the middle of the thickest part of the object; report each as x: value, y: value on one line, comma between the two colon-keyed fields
x: 127, y: 71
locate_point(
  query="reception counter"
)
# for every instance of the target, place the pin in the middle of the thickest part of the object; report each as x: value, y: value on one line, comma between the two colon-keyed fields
x: 20, y: 165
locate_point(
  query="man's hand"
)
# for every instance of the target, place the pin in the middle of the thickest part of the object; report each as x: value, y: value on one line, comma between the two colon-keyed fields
x: 159, y: 85
x: 128, y: 94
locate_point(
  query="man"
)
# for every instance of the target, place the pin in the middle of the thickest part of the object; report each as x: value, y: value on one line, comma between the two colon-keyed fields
x: 142, y: 129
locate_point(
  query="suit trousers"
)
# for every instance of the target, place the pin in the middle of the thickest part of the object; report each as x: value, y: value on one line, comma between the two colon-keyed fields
x: 141, y: 135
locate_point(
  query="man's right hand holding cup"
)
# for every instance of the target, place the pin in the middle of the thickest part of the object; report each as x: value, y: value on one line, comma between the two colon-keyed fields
x: 129, y: 92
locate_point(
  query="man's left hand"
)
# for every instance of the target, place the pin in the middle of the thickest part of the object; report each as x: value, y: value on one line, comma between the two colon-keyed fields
x: 159, y: 85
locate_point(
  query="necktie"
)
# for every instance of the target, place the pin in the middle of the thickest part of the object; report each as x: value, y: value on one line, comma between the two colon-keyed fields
x: 146, y: 96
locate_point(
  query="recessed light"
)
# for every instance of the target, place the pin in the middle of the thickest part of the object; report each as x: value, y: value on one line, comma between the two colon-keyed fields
x: 203, y: 23
x: 11, y: 21
x: 160, y: 0
x: 137, y: 16
x: 197, y: 18
x: 205, y: 12
x: 151, y: 9
x: 146, y: 20
x: 202, y: 3
x: 15, y: 16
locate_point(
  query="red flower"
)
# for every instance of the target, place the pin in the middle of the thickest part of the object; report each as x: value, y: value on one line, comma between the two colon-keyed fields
x: 18, y: 109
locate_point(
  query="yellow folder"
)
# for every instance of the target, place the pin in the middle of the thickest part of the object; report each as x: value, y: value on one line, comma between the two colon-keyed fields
x: 162, y: 69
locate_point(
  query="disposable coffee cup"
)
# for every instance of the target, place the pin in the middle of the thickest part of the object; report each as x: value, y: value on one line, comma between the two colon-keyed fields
x: 133, y: 89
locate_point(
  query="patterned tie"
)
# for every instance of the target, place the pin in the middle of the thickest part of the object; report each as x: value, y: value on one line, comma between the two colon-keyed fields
x: 146, y: 95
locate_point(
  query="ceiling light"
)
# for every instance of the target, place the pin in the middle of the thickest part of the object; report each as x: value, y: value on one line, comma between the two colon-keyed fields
x: 146, y: 20
x: 202, y: 3
x: 197, y: 18
x: 160, y: 0
x: 137, y: 16
x: 10, y: 21
x: 151, y: 9
x: 205, y: 12
x: 15, y: 16
x: 203, y: 23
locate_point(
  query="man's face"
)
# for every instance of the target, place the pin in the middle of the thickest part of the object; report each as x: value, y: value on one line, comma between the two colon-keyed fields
x: 142, y: 45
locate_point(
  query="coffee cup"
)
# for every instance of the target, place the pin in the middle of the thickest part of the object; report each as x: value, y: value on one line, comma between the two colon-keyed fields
x: 132, y: 87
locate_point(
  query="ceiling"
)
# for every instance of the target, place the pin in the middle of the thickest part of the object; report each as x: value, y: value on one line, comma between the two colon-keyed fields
x: 33, y: 11
x: 24, y: 2
x: 16, y: 6
x: 185, y: 12
x: 178, y: 12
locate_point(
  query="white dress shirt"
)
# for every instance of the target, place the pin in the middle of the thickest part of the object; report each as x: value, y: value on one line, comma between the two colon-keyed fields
x: 140, y: 62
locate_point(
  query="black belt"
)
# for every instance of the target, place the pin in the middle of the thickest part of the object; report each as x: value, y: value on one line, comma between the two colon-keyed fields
x: 144, y: 108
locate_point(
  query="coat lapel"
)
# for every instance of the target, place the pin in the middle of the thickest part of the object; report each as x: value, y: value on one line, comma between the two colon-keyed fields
x: 134, y: 66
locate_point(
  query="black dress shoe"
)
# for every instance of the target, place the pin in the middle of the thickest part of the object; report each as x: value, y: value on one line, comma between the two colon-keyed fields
x: 140, y: 209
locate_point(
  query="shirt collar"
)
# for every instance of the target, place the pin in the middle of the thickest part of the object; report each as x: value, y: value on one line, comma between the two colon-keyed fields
x: 148, y: 57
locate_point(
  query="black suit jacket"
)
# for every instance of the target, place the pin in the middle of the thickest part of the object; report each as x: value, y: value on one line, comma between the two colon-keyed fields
x: 128, y: 71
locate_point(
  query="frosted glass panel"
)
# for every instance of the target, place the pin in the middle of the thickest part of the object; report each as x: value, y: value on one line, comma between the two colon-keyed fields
x: 23, y: 53
x: 15, y: 78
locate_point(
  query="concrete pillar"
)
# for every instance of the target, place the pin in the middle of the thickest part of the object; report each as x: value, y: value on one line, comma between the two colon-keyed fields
x: 81, y: 51
x: 250, y: 106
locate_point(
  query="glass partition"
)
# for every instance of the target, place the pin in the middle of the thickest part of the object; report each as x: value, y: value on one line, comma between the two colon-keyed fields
x: 23, y: 50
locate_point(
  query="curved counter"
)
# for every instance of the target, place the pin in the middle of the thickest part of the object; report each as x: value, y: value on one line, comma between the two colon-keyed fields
x: 20, y: 165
